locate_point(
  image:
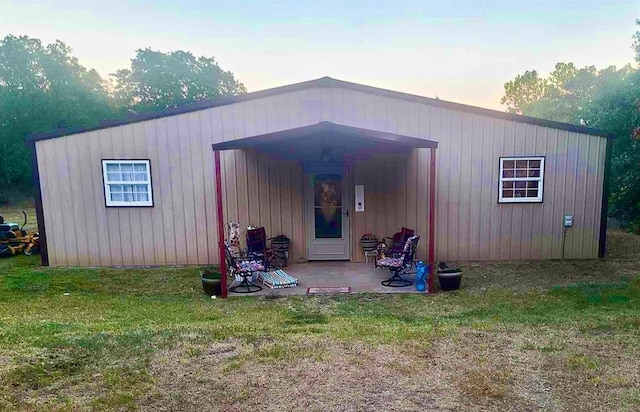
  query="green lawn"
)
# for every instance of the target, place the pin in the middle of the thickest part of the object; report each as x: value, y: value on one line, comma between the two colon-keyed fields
x: 520, y: 336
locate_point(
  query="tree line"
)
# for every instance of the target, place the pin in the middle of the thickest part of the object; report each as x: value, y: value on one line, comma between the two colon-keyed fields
x: 43, y: 87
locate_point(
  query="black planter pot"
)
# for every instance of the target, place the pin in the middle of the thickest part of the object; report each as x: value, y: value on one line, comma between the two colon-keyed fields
x: 368, y: 244
x: 281, y: 244
x: 212, y: 287
x: 450, y: 279
x: 211, y: 281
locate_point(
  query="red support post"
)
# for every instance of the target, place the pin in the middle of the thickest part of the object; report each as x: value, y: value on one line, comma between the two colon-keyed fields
x: 432, y: 218
x: 220, y: 216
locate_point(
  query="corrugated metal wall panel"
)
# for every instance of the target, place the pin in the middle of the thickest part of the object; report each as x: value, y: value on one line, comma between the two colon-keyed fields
x: 181, y: 227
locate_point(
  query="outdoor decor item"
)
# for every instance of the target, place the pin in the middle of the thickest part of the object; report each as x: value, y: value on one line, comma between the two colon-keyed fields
x: 422, y: 272
x: 277, y: 279
x: 280, y: 245
x: 211, y: 281
x: 369, y: 242
x: 328, y: 290
x: 449, y: 278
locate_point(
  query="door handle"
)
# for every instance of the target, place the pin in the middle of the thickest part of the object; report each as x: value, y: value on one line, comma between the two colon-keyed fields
x: 346, y: 213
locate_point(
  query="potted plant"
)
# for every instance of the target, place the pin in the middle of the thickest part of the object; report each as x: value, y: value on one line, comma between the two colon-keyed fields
x: 211, y: 280
x: 369, y: 242
x: 281, y: 242
x: 449, y: 277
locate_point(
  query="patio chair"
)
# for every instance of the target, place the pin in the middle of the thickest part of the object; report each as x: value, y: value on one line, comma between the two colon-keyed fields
x: 257, y: 247
x: 399, y: 264
x: 394, y: 244
x: 243, y: 267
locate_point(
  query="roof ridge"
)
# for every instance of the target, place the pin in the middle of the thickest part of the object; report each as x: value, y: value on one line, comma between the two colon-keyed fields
x: 324, y: 81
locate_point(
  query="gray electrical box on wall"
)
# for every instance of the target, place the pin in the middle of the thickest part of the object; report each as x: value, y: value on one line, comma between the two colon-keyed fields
x: 359, y: 198
x: 568, y: 220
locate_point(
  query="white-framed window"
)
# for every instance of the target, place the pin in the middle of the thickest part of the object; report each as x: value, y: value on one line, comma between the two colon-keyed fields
x: 521, y: 179
x: 127, y: 183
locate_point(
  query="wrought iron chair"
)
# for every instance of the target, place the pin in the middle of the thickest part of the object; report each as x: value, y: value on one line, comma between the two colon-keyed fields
x: 394, y: 245
x: 257, y: 247
x: 243, y: 267
x: 400, y: 263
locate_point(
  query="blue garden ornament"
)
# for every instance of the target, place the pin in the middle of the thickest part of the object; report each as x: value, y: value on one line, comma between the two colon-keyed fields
x: 422, y: 272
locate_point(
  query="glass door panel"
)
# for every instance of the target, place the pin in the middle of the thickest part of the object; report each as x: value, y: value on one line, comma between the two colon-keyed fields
x: 327, y: 206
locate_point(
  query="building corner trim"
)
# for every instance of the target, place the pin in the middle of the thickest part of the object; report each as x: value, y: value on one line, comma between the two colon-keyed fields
x: 606, y: 187
x: 35, y: 174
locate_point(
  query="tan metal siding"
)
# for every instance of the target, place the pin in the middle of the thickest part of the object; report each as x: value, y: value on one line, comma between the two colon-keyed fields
x: 181, y: 227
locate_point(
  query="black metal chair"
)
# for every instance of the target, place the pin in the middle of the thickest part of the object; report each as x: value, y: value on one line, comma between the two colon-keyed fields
x: 257, y: 247
x: 399, y: 264
x: 394, y: 244
x: 243, y: 266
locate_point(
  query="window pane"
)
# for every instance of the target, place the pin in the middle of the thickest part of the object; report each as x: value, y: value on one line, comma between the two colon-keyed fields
x: 508, y: 164
x: 114, y: 177
x: 126, y: 167
x: 113, y: 167
x: 532, y: 185
x: 534, y: 173
x: 521, y: 164
x: 532, y: 193
x: 507, y: 193
x: 140, y: 177
x: 141, y: 197
x: 521, y: 173
x: 116, y: 197
x: 328, y: 190
x: 507, y: 185
x: 115, y: 188
x: 534, y: 164
x: 140, y: 167
x: 328, y: 222
x: 508, y: 173
x: 520, y: 193
x: 521, y: 185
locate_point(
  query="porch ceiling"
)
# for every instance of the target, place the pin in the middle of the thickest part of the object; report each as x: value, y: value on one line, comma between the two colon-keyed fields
x: 340, y: 139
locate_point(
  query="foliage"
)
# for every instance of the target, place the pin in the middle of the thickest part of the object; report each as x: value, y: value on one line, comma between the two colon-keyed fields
x: 606, y: 99
x: 159, y: 80
x: 41, y: 88
x: 524, y: 90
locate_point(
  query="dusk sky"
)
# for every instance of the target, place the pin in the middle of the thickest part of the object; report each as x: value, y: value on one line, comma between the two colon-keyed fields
x: 462, y: 51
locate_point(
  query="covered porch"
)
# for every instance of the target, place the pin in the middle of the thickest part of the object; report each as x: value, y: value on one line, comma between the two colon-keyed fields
x: 395, y: 175
x: 359, y: 277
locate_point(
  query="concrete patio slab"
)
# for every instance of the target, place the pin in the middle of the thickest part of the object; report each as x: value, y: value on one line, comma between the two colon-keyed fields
x: 360, y: 277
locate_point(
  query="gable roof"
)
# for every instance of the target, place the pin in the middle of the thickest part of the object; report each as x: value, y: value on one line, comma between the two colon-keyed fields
x: 319, y: 83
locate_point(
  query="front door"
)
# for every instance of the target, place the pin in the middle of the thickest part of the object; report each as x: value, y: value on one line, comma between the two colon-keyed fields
x: 327, y: 212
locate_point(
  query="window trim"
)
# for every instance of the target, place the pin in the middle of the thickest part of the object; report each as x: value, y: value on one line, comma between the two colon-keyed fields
x: 107, y: 198
x: 540, y: 179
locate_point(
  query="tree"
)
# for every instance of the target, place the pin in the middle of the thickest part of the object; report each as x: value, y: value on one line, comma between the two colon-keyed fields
x: 605, y: 99
x: 159, y: 80
x: 41, y: 88
x: 524, y: 90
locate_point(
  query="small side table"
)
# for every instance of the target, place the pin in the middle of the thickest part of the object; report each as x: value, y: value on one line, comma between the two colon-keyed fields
x: 370, y: 253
